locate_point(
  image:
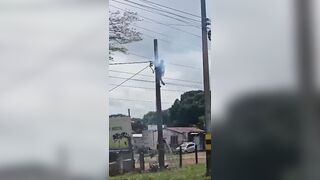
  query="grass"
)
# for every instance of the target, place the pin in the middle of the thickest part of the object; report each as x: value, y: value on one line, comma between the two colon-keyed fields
x: 192, y: 172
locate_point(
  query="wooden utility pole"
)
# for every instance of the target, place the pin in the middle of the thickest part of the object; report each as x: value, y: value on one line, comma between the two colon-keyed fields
x: 206, y: 80
x: 158, y: 105
x: 310, y: 146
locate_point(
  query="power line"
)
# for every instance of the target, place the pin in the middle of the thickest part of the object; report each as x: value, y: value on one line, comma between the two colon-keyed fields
x: 174, y: 64
x: 166, y: 78
x: 148, y: 81
x: 183, y: 25
x: 136, y: 100
x: 124, y: 72
x: 123, y: 63
x: 142, y: 80
x: 128, y: 78
x: 162, y: 34
x: 134, y: 54
x: 162, y: 10
x: 171, y: 8
x: 148, y: 88
x: 186, y: 66
x: 154, y: 12
x: 162, y: 23
x: 170, y: 26
x: 153, y: 37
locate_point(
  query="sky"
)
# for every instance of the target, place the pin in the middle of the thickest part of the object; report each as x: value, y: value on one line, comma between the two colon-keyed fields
x: 252, y: 50
x: 54, y: 70
x: 176, y: 48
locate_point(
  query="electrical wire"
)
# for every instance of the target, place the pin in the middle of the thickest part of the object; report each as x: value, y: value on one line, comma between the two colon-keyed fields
x: 174, y: 64
x: 166, y: 78
x: 184, y: 12
x: 186, y: 66
x: 154, y: 12
x: 162, y: 23
x: 153, y: 37
x: 123, y: 63
x: 128, y: 78
x: 136, y: 100
x: 148, y: 81
x: 138, y: 55
x: 162, y: 34
x: 170, y: 26
x: 162, y: 10
x: 148, y: 88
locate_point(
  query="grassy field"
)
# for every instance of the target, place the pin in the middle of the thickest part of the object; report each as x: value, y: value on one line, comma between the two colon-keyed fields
x: 192, y: 172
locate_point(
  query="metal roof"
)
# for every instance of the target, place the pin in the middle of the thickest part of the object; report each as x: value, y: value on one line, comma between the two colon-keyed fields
x: 185, y: 129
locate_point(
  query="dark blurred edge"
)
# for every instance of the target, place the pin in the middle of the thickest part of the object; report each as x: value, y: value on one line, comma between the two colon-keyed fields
x: 274, y: 135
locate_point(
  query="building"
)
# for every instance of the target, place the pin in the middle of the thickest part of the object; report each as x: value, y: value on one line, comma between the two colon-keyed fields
x: 137, y: 141
x: 120, y: 132
x: 174, y: 136
x: 120, y: 144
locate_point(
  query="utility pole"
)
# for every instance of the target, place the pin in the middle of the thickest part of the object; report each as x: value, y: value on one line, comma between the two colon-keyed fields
x: 206, y: 80
x: 129, y: 114
x: 158, y: 105
x: 310, y: 146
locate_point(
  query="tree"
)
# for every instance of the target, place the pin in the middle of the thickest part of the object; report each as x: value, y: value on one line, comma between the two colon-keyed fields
x: 137, y: 125
x: 121, y: 32
x: 188, y: 111
x: 151, y: 118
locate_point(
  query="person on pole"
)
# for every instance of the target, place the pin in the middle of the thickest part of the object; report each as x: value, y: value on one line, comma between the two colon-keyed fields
x: 162, y: 70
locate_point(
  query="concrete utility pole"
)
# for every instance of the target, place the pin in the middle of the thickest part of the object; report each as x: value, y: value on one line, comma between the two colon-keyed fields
x: 206, y: 80
x: 158, y: 105
x: 310, y: 146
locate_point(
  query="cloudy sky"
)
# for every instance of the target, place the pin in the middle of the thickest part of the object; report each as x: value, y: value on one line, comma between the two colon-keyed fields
x: 252, y: 50
x: 181, y: 52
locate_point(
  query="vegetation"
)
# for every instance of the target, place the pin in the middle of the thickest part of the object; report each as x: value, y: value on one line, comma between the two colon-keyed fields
x: 192, y: 172
x: 121, y: 32
x: 188, y: 111
x: 137, y: 125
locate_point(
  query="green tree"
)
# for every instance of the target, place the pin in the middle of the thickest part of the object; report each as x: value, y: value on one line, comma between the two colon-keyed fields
x: 151, y: 118
x: 137, y: 125
x: 188, y: 111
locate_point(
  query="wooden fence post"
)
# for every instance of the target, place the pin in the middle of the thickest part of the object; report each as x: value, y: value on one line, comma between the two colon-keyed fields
x: 196, y: 153
x: 180, y: 154
x: 141, y: 157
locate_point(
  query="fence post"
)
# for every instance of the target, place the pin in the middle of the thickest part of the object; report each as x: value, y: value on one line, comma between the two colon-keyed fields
x: 180, y: 154
x: 196, y: 153
x: 131, y: 150
x: 141, y: 161
x: 120, y: 163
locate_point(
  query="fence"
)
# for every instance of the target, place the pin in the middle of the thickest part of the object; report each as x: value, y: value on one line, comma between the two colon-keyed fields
x: 147, y: 160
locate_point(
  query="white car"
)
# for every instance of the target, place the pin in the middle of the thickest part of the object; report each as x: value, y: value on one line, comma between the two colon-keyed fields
x: 187, y: 147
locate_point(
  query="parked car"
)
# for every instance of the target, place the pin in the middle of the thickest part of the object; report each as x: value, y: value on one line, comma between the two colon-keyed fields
x: 187, y: 147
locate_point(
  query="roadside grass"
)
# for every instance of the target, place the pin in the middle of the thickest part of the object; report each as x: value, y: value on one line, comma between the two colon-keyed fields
x: 191, y: 172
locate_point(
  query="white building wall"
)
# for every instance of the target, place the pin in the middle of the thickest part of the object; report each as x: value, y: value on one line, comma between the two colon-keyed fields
x: 150, y: 138
x: 168, y: 133
x: 137, y: 142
